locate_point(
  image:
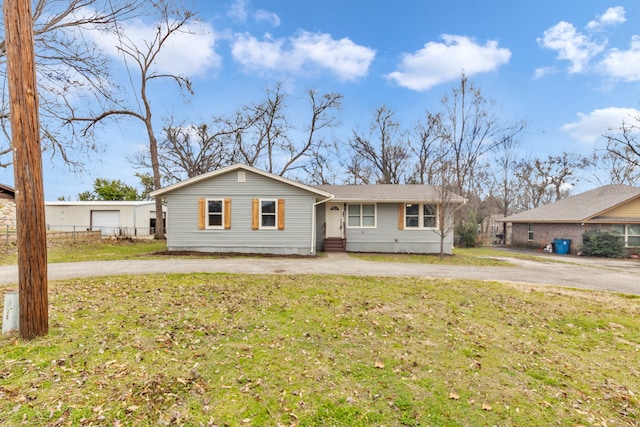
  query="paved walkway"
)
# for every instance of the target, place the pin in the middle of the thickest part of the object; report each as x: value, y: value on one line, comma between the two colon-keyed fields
x: 587, y: 273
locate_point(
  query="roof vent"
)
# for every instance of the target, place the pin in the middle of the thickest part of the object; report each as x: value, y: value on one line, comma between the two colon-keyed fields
x: 242, y: 176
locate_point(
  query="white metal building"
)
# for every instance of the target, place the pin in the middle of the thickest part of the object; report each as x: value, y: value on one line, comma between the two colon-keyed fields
x: 117, y: 218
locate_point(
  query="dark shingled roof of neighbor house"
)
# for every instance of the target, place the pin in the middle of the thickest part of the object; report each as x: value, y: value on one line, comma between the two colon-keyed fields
x: 581, y: 207
x: 388, y: 193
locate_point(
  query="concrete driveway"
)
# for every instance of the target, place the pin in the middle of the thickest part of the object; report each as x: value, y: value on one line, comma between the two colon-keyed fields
x: 578, y: 272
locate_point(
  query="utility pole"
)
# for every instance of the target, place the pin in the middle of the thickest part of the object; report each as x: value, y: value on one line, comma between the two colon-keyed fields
x: 27, y: 166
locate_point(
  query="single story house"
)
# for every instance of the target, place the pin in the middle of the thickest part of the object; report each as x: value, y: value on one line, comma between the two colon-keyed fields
x: 614, y: 208
x: 241, y: 209
x: 112, y: 218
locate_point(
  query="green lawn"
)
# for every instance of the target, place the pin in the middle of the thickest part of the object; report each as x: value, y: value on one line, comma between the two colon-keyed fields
x: 103, y: 250
x: 221, y: 349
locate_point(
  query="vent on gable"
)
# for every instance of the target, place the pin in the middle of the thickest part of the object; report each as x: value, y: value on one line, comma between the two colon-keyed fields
x: 242, y: 176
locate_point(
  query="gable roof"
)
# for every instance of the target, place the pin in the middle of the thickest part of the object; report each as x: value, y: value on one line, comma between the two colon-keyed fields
x: 235, y: 167
x: 581, y: 207
x: 388, y: 193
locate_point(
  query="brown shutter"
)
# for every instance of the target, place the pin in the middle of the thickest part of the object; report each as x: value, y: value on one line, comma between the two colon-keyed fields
x: 202, y: 214
x: 440, y: 217
x: 255, y: 214
x: 227, y: 214
x: 400, y: 216
x: 280, y: 214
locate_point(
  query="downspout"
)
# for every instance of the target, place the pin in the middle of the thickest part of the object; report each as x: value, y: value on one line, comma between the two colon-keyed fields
x: 313, y: 223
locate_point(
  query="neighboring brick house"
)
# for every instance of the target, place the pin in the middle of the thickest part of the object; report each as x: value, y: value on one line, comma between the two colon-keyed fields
x: 7, y: 207
x: 614, y: 208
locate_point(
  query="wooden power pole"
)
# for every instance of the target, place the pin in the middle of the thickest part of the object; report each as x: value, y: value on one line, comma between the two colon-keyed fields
x: 27, y: 166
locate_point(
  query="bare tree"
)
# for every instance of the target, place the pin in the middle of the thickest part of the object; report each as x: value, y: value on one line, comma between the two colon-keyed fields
x: 381, y: 150
x: 71, y: 69
x: 624, y: 143
x: 611, y: 168
x: 171, y: 23
x: 186, y: 151
x: 549, y: 180
x: 472, y: 129
x: 265, y: 137
x: 426, y: 143
x: 448, y: 201
x: 505, y: 185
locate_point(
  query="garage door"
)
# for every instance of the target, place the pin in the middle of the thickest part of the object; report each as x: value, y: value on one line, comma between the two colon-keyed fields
x: 106, y: 221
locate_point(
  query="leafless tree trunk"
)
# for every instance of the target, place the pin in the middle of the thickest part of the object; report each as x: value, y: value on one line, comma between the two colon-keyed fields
x: 172, y: 21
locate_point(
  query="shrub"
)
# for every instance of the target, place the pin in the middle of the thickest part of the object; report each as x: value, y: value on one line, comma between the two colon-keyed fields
x: 467, y: 234
x: 602, y: 244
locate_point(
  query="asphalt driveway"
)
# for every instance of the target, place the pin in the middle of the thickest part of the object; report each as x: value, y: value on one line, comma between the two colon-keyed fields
x: 578, y: 272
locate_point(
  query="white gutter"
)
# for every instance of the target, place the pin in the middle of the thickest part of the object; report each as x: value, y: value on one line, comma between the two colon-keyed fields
x: 313, y: 222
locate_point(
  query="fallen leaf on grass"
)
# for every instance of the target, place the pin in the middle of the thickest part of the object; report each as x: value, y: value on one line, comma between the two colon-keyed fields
x: 453, y: 395
x: 486, y: 407
x: 378, y: 365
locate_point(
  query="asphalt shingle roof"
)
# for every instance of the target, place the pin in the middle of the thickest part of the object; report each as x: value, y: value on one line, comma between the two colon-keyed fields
x: 387, y: 193
x: 581, y: 207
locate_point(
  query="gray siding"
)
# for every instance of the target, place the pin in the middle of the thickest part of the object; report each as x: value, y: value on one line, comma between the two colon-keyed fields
x: 295, y: 239
x: 387, y: 238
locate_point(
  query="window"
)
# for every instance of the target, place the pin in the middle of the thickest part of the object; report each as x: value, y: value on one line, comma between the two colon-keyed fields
x: 267, y: 214
x: 530, y: 234
x: 630, y: 234
x: 418, y: 215
x: 429, y: 216
x: 361, y: 215
x: 268, y: 210
x: 214, y: 214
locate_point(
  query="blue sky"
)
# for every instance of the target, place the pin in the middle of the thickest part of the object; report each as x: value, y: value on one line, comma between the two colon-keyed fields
x: 569, y: 68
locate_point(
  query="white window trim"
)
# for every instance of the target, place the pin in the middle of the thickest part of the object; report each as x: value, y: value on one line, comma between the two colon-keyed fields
x: 530, y: 233
x: 375, y: 215
x: 206, y: 213
x: 625, y: 236
x: 267, y: 227
x: 420, y: 217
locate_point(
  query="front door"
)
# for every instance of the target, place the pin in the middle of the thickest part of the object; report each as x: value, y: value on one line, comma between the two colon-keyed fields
x: 334, y: 220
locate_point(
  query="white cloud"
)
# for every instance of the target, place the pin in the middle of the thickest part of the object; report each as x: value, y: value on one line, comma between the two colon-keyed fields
x: 269, y: 17
x: 612, y: 16
x: 624, y: 64
x: 437, y: 62
x: 592, y: 126
x: 238, y: 10
x: 544, y: 71
x: 571, y: 45
x: 306, y: 52
x: 188, y: 52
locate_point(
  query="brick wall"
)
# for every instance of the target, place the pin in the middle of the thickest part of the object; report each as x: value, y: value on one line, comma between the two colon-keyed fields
x: 543, y: 234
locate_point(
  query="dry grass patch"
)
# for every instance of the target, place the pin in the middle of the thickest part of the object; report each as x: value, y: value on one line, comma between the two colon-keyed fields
x: 221, y: 349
